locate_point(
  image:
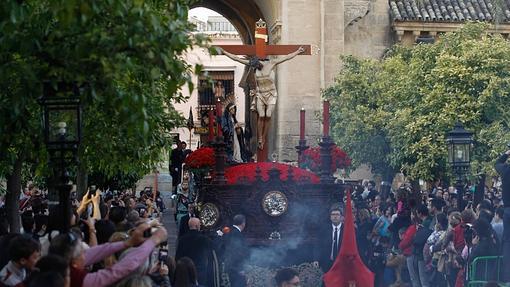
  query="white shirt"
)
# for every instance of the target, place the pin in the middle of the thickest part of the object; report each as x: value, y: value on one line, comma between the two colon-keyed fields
x: 238, y: 228
x: 11, y: 275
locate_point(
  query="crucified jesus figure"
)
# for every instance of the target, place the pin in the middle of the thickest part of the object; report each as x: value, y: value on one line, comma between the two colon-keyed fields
x: 265, y: 93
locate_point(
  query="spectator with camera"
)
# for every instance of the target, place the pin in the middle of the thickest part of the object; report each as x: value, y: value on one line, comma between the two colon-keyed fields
x: 71, y: 248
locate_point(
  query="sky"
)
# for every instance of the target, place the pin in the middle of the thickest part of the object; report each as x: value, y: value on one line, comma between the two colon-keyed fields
x: 202, y: 13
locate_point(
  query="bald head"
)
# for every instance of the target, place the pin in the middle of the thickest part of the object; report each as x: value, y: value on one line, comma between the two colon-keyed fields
x: 194, y: 223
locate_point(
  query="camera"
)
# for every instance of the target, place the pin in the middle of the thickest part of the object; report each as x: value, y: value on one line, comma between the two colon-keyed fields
x: 469, y: 233
x: 92, y: 191
x: 148, y: 232
x: 89, y: 211
x: 163, y: 255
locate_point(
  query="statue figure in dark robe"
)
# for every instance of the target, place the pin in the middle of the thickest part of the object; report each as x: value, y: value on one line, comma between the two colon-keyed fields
x: 233, y: 135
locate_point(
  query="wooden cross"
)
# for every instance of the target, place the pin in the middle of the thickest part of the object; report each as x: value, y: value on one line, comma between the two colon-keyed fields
x: 262, y: 50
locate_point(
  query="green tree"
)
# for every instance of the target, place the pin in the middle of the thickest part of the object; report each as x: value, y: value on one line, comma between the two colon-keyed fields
x: 128, y: 56
x: 395, y: 112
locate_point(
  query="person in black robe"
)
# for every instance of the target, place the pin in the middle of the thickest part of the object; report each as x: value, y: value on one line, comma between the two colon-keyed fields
x: 183, y: 223
x: 198, y: 247
x: 177, y: 158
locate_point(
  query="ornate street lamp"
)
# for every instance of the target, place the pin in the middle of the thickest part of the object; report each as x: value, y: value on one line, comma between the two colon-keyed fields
x: 61, y: 121
x: 459, y: 143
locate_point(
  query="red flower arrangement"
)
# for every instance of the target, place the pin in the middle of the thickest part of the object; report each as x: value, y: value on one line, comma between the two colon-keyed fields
x: 312, y: 159
x: 200, y: 158
x: 248, y: 170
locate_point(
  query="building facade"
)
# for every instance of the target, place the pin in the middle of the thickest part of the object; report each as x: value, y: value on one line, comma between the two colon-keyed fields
x: 363, y: 28
x: 216, y: 69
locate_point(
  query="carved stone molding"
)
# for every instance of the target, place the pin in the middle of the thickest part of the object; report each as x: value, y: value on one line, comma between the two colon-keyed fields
x: 354, y: 10
x: 276, y: 32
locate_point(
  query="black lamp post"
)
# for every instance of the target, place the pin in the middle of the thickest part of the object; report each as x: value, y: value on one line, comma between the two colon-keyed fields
x: 459, y: 143
x: 61, y: 121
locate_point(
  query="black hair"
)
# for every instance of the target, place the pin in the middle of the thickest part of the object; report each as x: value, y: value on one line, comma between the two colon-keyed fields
x: 117, y: 214
x: 53, y: 263
x: 486, y: 204
x: 105, y: 229
x: 239, y: 219
x: 483, y: 228
x: 422, y: 210
x: 485, y: 214
x: 437, y: 203
x: 185, y: 272
x: 285, y: 274
x: 442, y: 219
x: 22, y: 247
x: 4, y: 251
x: 336, y: 207
x: 46, y: 279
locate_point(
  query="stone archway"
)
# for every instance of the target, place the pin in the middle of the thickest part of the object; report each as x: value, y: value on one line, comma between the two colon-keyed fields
x: 299, y: 82
x: 242, y: 14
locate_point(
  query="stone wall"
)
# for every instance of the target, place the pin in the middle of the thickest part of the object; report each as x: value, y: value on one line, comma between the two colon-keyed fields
x: 316, y: 23
x: 367, y: 32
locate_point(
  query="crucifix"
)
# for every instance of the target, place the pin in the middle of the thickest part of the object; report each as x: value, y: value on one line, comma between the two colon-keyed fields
x: 265, y: 95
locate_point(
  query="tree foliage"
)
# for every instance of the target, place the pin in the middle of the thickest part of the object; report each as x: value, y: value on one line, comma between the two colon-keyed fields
x: 128, y: 56
x: 394, y: 113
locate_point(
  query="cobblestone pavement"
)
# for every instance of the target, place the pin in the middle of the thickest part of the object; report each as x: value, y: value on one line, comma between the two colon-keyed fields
x: 169, y: 223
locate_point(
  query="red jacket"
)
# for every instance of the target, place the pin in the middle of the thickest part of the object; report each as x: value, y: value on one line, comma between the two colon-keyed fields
x: 458, y: 238
x: 406, y: 244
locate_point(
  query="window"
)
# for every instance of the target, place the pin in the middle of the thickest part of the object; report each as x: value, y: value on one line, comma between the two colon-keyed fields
x: 206, y: 89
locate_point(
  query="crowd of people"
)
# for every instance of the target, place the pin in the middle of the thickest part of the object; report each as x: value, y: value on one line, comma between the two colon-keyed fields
x: 115, y: 239
x: 424, y: 239
x: 411, y: 238
x: 406, y: 237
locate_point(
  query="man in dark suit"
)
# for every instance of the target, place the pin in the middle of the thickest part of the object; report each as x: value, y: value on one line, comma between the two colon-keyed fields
x: 197, y: 247
x: 330, y: 239
x: 236, y: 252
x: 177, y: 158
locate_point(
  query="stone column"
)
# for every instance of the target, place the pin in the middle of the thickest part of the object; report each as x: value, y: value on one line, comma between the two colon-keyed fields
x: 299, y: 81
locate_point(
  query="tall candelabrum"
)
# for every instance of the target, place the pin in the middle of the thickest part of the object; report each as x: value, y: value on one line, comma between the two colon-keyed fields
x: 301, y: 147
x: 326, y: 145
